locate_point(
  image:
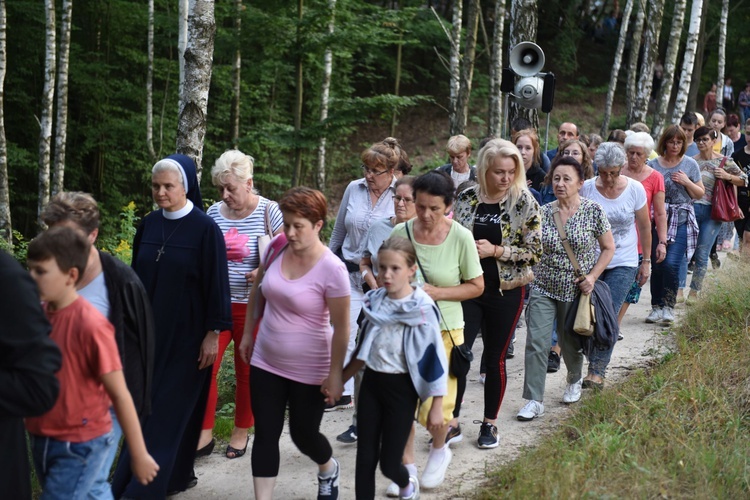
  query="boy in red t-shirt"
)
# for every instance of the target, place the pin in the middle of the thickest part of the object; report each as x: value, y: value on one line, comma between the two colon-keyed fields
x: 69, y: 443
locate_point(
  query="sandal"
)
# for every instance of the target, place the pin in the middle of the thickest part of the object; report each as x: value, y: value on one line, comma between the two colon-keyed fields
x: 236, y: 453
x: 590, y: 384
x: 206, y: 450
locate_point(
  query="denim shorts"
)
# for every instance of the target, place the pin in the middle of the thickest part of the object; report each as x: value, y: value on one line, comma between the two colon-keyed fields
x: 69, y: 470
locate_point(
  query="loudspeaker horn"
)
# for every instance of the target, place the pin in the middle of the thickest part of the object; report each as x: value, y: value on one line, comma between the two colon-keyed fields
x: 526, y: 59
x: 528, y: 92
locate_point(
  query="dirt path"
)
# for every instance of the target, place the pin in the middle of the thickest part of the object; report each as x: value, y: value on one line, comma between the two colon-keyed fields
x: 222, y: 478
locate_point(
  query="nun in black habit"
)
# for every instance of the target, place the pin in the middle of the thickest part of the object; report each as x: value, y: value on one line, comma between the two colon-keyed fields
x: 180, y: 256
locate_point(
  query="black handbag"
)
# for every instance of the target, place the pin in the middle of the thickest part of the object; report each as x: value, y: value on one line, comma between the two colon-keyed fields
x: 461, y: 355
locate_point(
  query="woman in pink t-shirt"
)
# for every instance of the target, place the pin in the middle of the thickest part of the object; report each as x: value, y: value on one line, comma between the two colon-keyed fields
x: 306, y: 289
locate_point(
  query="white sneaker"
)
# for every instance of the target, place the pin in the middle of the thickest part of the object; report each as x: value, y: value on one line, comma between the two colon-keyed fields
x: 531, y: 410
x: 667, y: 317
x: 655, y: 315
x: 437, y: 464
x: 573, y: 392
x: 392, y: 491
x: 415, y: 493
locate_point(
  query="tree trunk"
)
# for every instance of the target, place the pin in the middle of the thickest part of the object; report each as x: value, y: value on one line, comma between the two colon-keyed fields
x: 455, y: 62
x: 524, y: 18
x: 48, y: 94
x: 604, y: 132
x: 700, y: 57
x: 635, y: 49
x: 199, y: 55
x: 467, y: 69
x: 150, y: 85
x: 61, y: 125
x: 722, y: 52
x: 397, y: 84
x: 324, y: 93
x: 495, y: 119
x: 297, y: 177
x: 6, y: 228
x: 688, y: 60
x: 667, y: 82
x: 183, y: 12
x: 236, y: 74
x: 639, y: 111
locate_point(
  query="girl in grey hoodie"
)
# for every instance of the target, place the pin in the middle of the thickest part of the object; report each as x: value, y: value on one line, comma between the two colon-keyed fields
x: 401, y: 346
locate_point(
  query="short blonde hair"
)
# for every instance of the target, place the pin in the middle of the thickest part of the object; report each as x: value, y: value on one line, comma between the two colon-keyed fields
x: 232, y: 162
x: 500, y: 148
x: 458, y: 144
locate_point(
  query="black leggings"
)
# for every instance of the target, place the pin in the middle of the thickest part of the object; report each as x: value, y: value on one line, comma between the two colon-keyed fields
x: 497, y: 314
x: 385, y: 415
x: 269, y: 396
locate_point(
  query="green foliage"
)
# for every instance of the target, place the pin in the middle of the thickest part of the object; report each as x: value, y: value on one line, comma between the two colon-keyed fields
x: 19, y: 248
x: 121, y: 244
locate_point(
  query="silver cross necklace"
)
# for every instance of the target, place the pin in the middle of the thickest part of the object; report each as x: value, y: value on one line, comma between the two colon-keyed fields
x: 161, y: 250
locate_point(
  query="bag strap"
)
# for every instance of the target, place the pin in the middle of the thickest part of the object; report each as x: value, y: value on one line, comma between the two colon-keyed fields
x: 267, y: 220
x: 723, y: 162
x: 274, y: 250
x: 564, y: 238
x: 421, y: 270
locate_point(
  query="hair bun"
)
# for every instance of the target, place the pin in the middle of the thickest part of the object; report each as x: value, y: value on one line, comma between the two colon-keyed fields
x: 392, y: 142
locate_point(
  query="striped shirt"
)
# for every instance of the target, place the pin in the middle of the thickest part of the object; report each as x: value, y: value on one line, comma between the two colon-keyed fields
x: 241, y: 238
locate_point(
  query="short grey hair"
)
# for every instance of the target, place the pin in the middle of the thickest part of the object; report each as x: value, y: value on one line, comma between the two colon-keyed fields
x: 610, y: 155
x: 640, y: 140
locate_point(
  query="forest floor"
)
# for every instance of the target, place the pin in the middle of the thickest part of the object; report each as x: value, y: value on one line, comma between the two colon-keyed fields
x: 221, y: 478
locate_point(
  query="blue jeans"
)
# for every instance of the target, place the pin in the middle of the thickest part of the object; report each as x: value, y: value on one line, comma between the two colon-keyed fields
x: 102, y: 489
x: 708, y: 230
x: 665, y: 275
x: 68, y: 471
x: 683, y: 272
x: 619, y: 279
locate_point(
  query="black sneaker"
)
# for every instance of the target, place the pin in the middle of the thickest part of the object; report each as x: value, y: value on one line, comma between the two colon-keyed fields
x: 349, y: 436
x: 328, y: 487
x: 715, y: 262
x: 553, y: 362
x: 454, y: 435
x: 487, y: 435
x: 342, y: 404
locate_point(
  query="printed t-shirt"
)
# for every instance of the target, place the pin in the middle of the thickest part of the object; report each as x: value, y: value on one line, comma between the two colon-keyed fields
x: 87, y: 342
x: 621, y: 216
x: 294, y: 338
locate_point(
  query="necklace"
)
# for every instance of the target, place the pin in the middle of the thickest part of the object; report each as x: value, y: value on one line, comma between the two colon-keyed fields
x: 161, y: 250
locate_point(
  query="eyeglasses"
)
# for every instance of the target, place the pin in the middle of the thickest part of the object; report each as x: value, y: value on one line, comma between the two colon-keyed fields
x: 614, y: 173
x: 703, y: 139
x: 571, y: 152
x: 374, y: 173
x: 398, y: 199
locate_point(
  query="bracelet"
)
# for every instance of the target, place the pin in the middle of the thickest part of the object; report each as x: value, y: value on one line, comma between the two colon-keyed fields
x: 662, y: 243
x: 647, y: 260
x: 494, y: 253
x: 365, y: 273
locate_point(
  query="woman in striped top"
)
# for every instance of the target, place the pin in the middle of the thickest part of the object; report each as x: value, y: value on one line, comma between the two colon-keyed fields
x: 243, y: 216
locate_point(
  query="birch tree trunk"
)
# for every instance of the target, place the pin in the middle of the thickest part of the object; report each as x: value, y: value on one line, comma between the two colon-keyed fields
x: 524, y: 18
x: 458, y: 125
x: 635, y: 49
x: 6, y: 228
x: 397, y: 83
x: 48, y: 94
x: 689, y: 59
x: 604, y: 132
x: 199, y: 55
x: 325, y: 90
x: 296, y: 178
x: 495, y: 118
x: 61, y: 123
x: 455, y: 62
x: 722, y: 52
x: 236, y: 74
x: 183, y: 11
x: 150, y: 85
x: 700, y: 56
x: 665, y: 93
x: 639, y: 111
